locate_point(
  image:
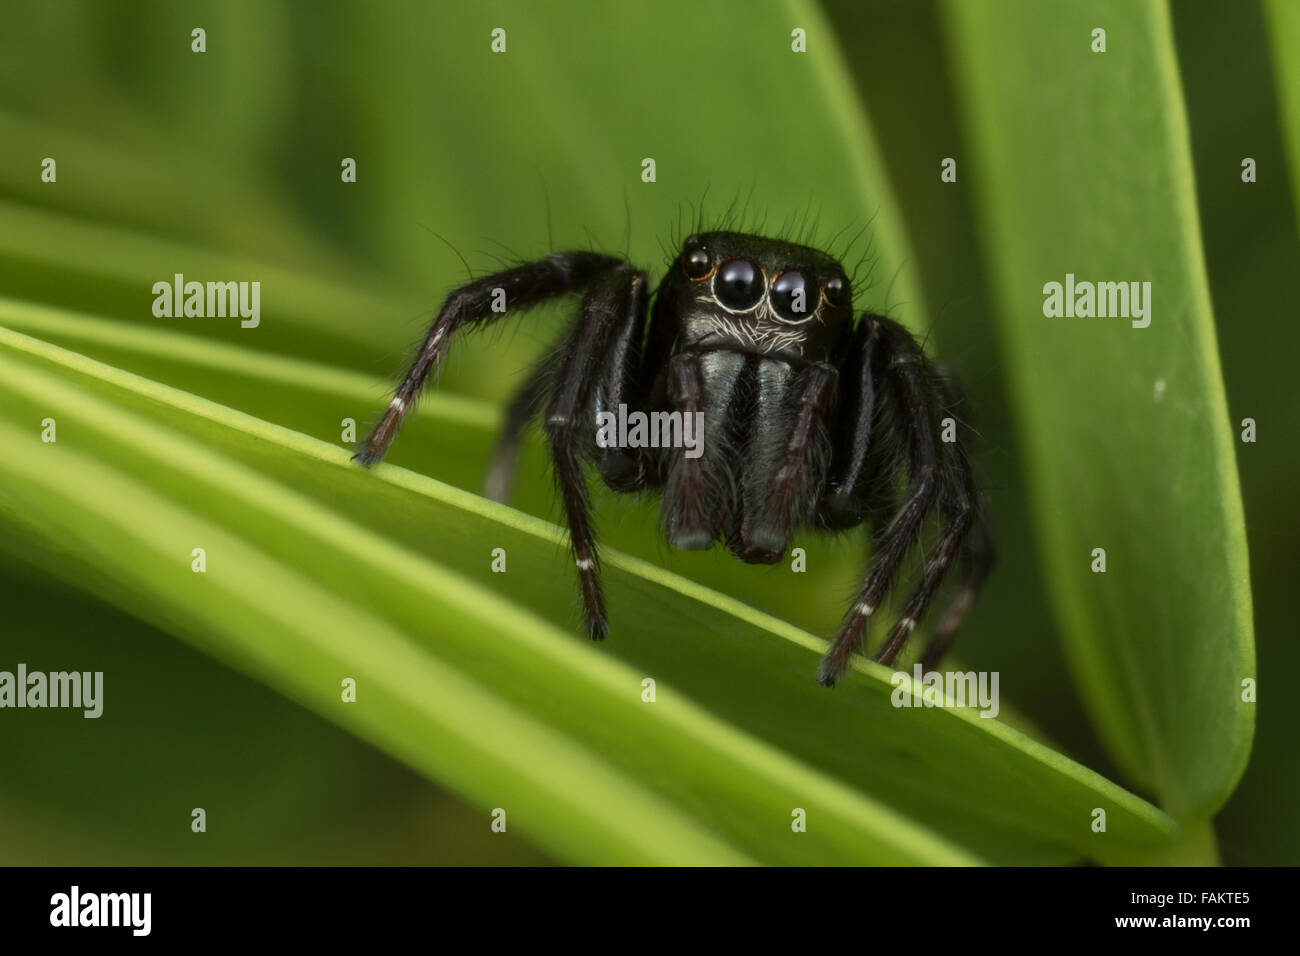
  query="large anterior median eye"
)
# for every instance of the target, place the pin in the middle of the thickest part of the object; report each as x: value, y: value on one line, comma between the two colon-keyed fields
x: 793, y: 297
x: 738, y: 284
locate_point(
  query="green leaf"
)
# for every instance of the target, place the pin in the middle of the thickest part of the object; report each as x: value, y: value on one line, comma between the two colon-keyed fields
x: 256, y: 607
x: 59, y: 259
x: 324, y: 796
x: 348, y: 559
x: 1081, y: 165
x: 1284, y: 35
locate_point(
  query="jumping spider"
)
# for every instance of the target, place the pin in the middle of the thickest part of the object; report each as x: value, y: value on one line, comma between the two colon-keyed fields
x: 811, y: 418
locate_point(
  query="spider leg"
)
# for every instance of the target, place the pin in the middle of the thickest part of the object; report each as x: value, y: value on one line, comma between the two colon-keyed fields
x: 700, y: 497
x: 960, y: 510
x: 687, y: 518
x: 614, y: 304
x: 792, y: 460
x: 624, y: 469
x: 908, y: 384
x: 471, y: 306
x: 849, y: 484
x: 978, y: 554
x: 621, y: 380
x: 523, y: 408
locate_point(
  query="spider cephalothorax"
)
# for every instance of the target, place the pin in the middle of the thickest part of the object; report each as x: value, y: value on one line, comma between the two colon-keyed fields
x: 761, y: 294
x: 809, y: 415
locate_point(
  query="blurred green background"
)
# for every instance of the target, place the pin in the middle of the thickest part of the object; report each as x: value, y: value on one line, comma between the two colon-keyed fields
x: 226, y: 164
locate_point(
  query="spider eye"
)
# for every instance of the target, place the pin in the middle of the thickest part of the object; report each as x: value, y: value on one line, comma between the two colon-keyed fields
x: 837, y: 292
x: 792, y: 298
x: 696, y: 262
x: 738, y: 284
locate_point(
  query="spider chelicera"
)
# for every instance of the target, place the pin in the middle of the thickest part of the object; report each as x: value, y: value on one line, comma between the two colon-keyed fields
x: 812, y: 419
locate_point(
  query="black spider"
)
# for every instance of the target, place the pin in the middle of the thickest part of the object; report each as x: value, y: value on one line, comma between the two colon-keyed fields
x: 810, y: 417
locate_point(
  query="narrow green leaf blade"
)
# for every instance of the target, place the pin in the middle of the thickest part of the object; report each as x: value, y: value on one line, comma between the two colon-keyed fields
x: 1081, y: 167
x: 981, y: 783
x: 1283, y: 19
x: 461, y: 683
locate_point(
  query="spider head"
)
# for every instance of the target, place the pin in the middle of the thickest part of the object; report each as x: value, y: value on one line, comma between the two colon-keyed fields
x: 732, y: 289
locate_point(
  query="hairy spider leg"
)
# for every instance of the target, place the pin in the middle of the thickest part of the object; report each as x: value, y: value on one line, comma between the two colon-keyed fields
x: 788, y: 458
x: 622, y: 381
x: 613, y: 312
x: 907, y: 382
x: 472, y: 305
x: 614, y: 300
x: 700, y: 496
x: 523, y: 407
x: 849, y: 482
x: 978, y: 554
x: 958, y: 505
x: 623, y: 378
x: 978, y: 558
